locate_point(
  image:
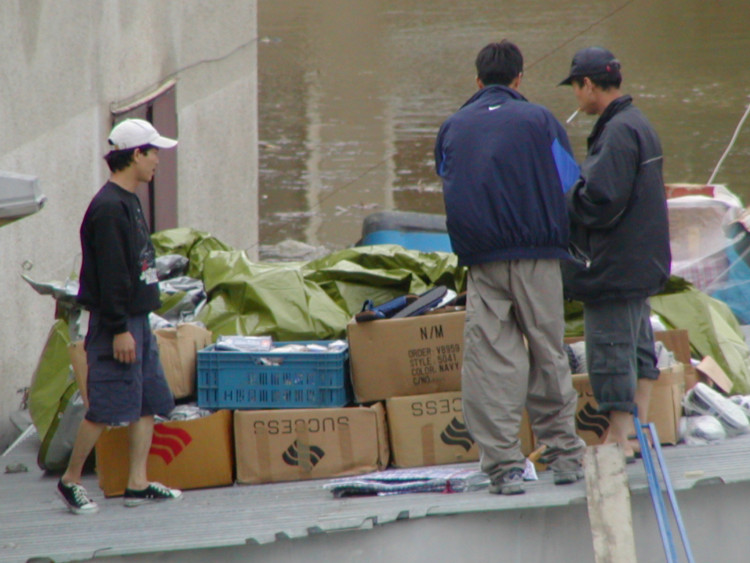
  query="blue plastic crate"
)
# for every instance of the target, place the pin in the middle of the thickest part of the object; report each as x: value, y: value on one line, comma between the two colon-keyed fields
x: 273, y: 380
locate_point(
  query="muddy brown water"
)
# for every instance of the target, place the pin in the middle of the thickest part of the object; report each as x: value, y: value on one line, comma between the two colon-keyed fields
x: 352, y: 93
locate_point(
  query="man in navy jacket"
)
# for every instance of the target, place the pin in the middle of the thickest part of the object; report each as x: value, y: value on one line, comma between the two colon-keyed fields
x: 505, y: 165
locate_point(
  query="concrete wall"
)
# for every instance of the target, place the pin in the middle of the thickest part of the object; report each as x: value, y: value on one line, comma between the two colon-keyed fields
x: 65, y: 64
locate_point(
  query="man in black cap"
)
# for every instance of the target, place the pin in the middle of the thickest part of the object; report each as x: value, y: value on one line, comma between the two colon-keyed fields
x: 618, y: 217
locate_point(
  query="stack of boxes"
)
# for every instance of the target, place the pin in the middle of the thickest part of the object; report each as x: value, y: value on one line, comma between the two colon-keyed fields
x: 414, y: 364
x: 286, y: 416
x: 419, y: 377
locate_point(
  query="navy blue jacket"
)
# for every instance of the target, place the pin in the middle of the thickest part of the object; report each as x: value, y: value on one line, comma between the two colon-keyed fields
x: 505, y: 165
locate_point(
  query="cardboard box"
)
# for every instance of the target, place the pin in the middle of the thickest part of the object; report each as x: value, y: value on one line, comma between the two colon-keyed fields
x: 678, y: 342
x: 410, y: 356
x: 710, y: 373
x: 665, y: 409
x: 299, y: 444
x: 430, y: 430
x: 187, y: 454
x: 178, y: 351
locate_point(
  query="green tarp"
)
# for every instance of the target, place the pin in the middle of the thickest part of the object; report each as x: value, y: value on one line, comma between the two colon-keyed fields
x: 304, y: 300
x: 315, y: 300
x: 713, y: 331
x: 51, y: 377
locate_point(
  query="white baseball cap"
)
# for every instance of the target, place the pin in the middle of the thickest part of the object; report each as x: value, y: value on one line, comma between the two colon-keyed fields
x: 132, y: 133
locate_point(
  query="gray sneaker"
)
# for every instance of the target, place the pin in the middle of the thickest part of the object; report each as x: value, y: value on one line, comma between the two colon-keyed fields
x: 567, y: 477
x: 76, y: 498
x: 508, y: 483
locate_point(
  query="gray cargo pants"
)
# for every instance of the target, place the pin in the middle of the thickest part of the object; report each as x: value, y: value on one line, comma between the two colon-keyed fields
x: 619, y: 350
x: 509, y: 302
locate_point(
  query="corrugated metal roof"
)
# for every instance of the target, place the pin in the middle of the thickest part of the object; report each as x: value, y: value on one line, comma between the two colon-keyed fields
x: 34, y: 522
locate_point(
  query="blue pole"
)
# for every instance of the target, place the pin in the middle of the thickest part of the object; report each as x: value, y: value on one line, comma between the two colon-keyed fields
x: 656, y: 496
x: 671, y: 494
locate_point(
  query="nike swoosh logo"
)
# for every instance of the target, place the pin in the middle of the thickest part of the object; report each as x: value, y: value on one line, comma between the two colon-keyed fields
x: 493, y: 108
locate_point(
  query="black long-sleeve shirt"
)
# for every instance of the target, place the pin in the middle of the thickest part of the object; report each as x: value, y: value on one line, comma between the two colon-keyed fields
x: 118, y: 275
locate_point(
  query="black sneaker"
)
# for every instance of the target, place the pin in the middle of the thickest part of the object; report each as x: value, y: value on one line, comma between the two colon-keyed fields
x: 509, y: 483
x: 76, y: 498
x: 155, y: 492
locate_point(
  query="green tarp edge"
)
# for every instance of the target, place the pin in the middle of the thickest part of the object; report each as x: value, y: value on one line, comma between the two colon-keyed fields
x: 51, y: 377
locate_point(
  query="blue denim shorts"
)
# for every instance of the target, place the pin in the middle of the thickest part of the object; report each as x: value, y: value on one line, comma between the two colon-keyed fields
x: 120, y: 393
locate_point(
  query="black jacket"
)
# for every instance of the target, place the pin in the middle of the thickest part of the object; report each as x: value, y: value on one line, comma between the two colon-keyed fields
x: 505, y: 164
x: 618, y: 211
x: 118, y: 272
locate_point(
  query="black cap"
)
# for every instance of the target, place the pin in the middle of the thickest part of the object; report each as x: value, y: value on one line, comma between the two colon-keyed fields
x: 591, y: 61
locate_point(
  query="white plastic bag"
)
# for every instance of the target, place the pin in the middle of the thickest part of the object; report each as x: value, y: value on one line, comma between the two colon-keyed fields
x: 701, y: 430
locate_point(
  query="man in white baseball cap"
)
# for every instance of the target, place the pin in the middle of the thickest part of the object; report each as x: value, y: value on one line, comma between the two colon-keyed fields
x: 119, y: 287
x: 133, y: 133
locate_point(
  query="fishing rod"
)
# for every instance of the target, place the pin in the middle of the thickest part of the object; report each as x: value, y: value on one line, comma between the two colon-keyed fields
x: 729, y: 147
x: 333, y: 192
x: 576, y: 36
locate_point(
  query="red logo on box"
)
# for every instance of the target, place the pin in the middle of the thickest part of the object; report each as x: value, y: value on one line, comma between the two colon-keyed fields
x: 168, y: 443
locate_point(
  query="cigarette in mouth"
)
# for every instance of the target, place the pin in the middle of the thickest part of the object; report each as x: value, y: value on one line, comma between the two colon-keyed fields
x: 572, y: 116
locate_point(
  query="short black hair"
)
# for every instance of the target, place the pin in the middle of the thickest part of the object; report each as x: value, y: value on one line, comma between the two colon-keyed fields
x: 499, y: 63
x: 605, y: 80
x: 120, y: 160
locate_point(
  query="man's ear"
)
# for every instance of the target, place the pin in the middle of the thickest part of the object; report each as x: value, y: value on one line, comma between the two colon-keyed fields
x: 480, y: 84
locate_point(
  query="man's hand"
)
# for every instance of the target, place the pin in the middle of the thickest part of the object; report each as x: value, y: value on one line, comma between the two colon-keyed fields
x: 123, y: 347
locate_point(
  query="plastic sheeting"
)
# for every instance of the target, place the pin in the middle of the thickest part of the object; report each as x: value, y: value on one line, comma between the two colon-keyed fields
x: 193, y: 245
x: 302, y: 300
x: 711, y: 246
x: 713, y: 331
x: 314, y: 300
x: 51, y: 377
